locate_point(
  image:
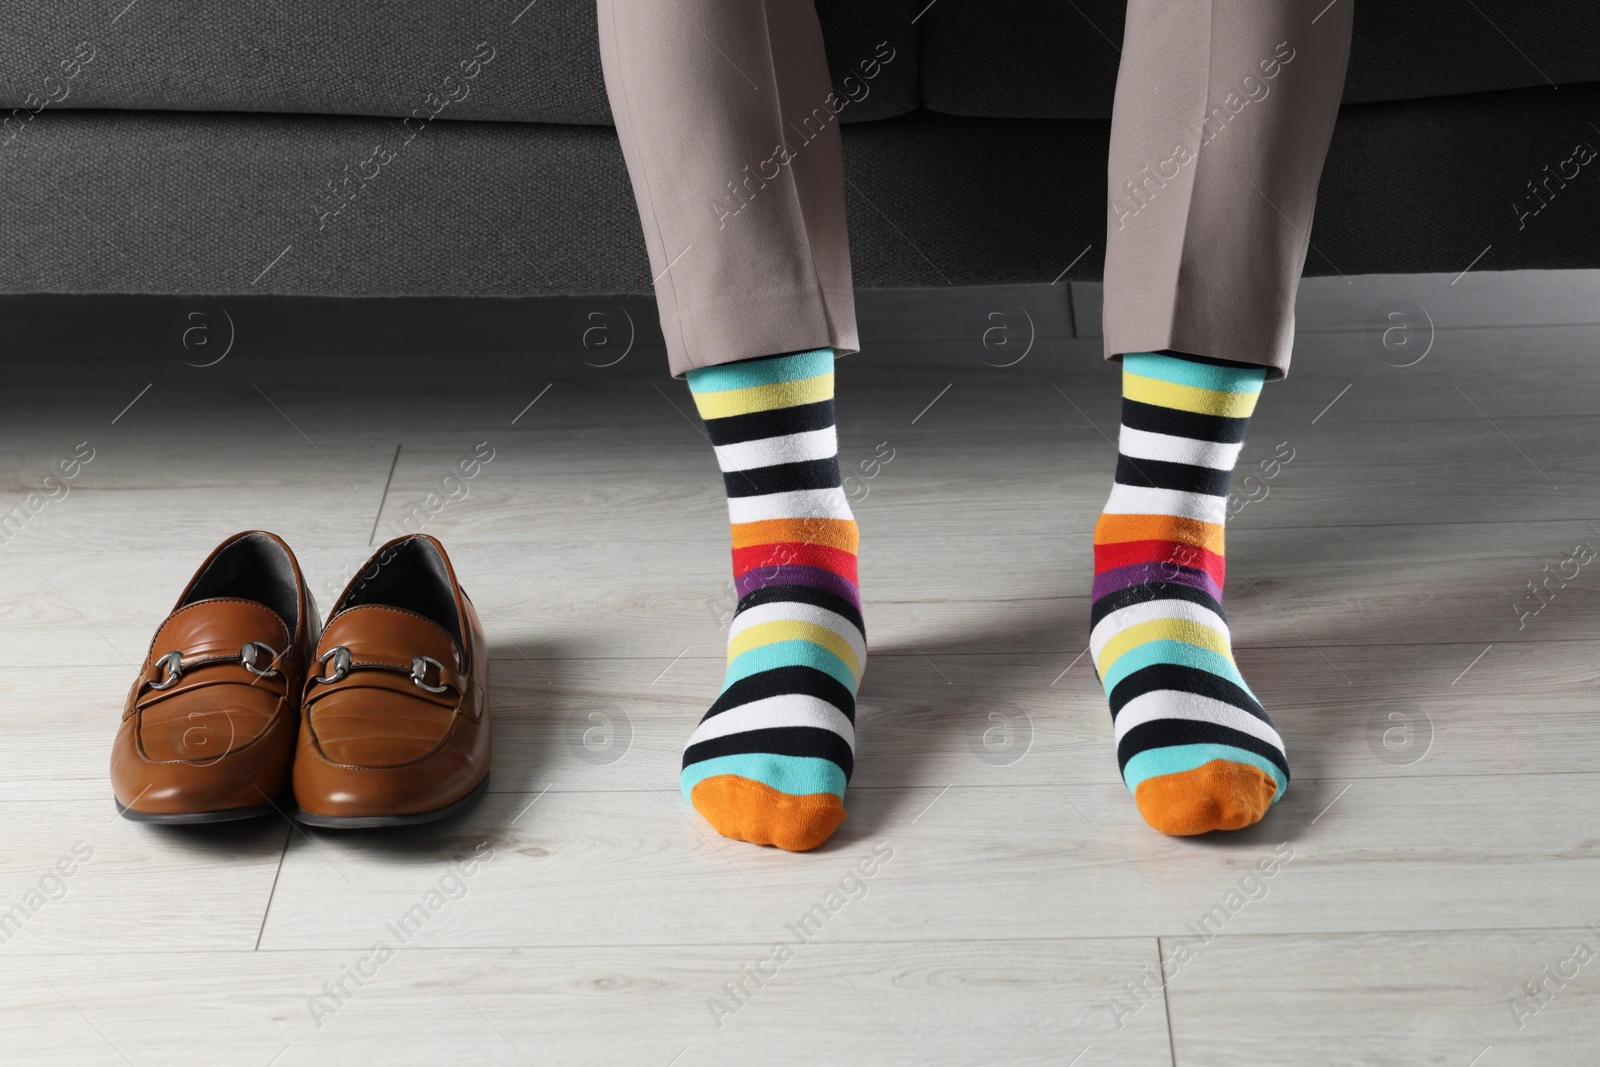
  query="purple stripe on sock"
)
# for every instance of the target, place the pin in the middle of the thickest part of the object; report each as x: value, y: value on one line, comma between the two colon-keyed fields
x: 794, y: 574
x: 1139, y: 573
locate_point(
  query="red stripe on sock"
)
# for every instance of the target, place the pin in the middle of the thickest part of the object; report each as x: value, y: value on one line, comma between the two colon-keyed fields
x: 797, y: 554
x: 1129, y: 553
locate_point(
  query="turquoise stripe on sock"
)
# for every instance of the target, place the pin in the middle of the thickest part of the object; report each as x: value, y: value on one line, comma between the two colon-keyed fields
x: 1199, y: 375
x: 1168, y: 650
x: 795, y: 653
x: 797, y: 776
x: 751, y: 373
x: 1173, y: 759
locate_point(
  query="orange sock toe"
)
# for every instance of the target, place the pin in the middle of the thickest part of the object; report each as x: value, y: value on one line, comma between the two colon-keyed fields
x: 1220, y: 795
x: 747, y: 810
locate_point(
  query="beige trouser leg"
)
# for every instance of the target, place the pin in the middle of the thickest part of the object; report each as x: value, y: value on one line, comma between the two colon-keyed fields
x: 1223, y: 113
x: 723, y: 108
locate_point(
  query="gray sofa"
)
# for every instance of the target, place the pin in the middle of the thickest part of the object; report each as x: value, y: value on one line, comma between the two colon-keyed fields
x: 400, y: 148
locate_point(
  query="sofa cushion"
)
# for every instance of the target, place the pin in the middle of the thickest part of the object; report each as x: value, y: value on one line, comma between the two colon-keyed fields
x: 533, y: 61
x: 1026, y: 59
x: 176, y: 202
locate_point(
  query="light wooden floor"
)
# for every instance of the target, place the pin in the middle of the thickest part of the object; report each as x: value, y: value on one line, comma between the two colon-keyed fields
x: 1442, y: 834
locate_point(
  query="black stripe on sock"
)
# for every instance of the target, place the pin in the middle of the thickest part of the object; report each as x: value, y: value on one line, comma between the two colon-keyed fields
x: 783, y: 477
x: 1153, y: 418
x: 1182, y: 679
x: 804, y: 741
x: 1183, y: 477
x: 775, y: 422
x: 801, y: 594
x: 1212, y: 361
x: 1164, y: 733
x: 798, y: 351
x: 807, y: 681
x: 1147, y: 592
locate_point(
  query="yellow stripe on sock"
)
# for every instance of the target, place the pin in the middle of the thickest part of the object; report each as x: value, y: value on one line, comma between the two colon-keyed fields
x: 729, y: 402
x: 1185, y: 630
x: 768, y: 633
x: 1188, y: 398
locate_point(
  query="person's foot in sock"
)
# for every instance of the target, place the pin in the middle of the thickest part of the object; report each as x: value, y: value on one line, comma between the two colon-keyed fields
x: 769, y: 762
x: 1195, y: 746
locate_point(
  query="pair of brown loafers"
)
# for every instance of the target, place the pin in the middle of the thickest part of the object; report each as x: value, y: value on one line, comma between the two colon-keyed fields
x: 247, y: 705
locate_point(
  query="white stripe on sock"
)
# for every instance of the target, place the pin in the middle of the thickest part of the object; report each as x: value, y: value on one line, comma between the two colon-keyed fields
x: 786, y: 448
x: 1143, y: 444
x: 775, y: 712
x: 1174, y: 704
x: 1144, y: 500
x: 799, y: 504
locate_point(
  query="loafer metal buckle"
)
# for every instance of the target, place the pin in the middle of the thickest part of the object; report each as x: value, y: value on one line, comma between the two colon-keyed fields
x: 419, y: 673
x: 171, y: 666
x: 342, y: 662
x: 250, y: 655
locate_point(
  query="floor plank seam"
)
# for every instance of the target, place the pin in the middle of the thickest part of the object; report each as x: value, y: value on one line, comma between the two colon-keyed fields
x: 267, y: 911
x: 619, y: 946
x: 1166, y: 1003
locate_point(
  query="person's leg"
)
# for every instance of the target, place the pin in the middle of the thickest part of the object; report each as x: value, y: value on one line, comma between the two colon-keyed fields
x: 1223, y: 114
x: 727, y: 123
x: 723, y: 109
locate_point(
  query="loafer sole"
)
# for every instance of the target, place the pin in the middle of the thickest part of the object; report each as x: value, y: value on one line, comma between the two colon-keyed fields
x: 190, y: 818
x: 370, y: 822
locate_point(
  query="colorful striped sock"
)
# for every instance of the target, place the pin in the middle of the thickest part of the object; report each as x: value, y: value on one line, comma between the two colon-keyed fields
x: 769, y: 762
x: 1195, y: 746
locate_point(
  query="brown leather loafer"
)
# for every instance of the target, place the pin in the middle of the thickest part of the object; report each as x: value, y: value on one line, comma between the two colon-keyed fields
x: 208, y: 731
x: 396, y: 722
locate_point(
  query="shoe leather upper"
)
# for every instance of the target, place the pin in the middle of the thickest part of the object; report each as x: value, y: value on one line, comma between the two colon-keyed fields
x: 215, y: 705
x: 209, y: 722
x: 396, y: 717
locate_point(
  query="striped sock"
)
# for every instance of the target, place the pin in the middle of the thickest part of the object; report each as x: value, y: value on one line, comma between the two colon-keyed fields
x: 1195, y: 746
x: 769, y: 762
